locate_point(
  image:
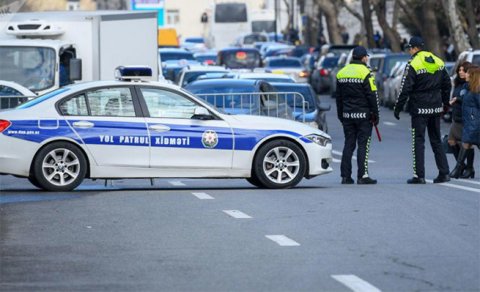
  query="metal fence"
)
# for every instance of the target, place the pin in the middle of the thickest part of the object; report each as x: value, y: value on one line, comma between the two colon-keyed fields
x: 288, y: 105
x: 7, y: 102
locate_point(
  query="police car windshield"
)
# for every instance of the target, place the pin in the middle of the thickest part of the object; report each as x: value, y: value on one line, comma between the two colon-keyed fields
x: 174, y: 56
x: 32, y: 67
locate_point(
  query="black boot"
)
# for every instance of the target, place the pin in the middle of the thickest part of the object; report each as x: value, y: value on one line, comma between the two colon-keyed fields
x: 455, y: 151
x: 458, y: 170
x: 469, y: 171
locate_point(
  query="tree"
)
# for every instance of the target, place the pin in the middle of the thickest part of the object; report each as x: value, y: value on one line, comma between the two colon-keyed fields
x: 389, y: 33
x: 472, y: 23
x: 431, y: 34
x: 455, y: 26
x: 367, y: 15
x: 331, y: 17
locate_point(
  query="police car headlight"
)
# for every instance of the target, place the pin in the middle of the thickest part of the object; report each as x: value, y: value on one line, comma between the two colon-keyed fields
x: 319, y: 140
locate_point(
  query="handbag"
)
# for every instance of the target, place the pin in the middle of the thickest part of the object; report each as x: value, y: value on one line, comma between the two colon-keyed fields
x: 446, y: 147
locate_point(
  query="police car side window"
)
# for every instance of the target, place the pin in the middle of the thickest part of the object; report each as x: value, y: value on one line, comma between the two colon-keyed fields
x: 167, y: 104
x: 75, y: 106
x: 111, y: 102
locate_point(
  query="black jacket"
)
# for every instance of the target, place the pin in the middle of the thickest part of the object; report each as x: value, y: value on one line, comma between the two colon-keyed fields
x: 425, y: 84
x: 356, y: 94
x: 458, y: 92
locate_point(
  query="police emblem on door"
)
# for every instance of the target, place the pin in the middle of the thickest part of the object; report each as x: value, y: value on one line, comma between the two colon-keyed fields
x: 209, y: 139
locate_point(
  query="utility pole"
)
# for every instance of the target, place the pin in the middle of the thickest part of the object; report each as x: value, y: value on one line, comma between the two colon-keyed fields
x: 276, y: 17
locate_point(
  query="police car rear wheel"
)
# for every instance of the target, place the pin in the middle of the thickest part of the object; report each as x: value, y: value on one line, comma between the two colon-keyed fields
x: 59, y: 167
x: 34, y: 181
x: 280, y: 164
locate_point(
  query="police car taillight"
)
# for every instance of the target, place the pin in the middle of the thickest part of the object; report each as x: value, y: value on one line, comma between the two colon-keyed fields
x: 4, y: 125
x: 133, y: 73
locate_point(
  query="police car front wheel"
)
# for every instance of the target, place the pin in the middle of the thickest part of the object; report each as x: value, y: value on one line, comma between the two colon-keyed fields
x: 59, y: 166
x: 279, y: 164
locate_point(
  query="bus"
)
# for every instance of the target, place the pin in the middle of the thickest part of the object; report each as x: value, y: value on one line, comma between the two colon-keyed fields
x: 230, y: 20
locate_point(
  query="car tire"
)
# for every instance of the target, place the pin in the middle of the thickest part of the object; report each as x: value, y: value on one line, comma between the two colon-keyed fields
x: 279, y: 164
x: 254, y: 181
x: 60, y: 166
x: 34, y: 182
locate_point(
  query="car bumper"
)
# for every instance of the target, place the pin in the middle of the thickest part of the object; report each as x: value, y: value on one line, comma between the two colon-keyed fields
x: 16, y: 155
x: 319, y: 159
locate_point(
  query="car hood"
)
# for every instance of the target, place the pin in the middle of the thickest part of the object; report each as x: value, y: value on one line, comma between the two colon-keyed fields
x: 269, y: 123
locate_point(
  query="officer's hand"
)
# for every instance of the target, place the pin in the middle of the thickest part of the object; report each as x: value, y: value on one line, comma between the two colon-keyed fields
x: 375, y: 119
x: 397, y: 115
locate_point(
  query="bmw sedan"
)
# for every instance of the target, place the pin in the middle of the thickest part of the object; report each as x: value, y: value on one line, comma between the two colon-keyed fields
x: 123, y: 129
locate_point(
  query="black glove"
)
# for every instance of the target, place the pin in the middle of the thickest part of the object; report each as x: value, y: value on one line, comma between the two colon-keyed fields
x: 396, y: 114
x: 374, y: 119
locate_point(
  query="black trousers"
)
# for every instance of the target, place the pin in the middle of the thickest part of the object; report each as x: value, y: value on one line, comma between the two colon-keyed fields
x: 356, y: 131
x: 432, y: 124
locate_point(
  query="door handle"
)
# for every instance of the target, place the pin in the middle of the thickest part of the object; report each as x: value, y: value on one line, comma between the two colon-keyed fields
x: 159, y: 128
x: 83, y: 125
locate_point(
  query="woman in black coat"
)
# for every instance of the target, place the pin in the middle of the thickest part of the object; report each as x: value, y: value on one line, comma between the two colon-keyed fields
x: 471, y: 120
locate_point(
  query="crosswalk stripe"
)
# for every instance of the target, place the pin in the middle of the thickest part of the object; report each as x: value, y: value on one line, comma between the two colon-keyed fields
x: 203, y: 196
x: 237, y: 214
x: 282, y: 240
x: 353, y: 157
x: 355, y: 283
x: 450, y: 185
x: 470, y: 181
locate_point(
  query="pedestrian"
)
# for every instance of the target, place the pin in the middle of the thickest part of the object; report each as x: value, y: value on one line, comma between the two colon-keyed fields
x: 426, y: 86
x: 471, y: 122
x: 455, y: 134
x: 357, y: 109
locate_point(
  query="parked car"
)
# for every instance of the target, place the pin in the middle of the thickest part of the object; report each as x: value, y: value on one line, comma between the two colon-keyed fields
x: 191, y: 73
x: 392, y: 84
x: 173, y: 60
x: 206, y: 58
x: 287, y: 65
x: 239, y: 58
x: 13, y: 94
x: 91, y: 130
x: 241, y: 96
x: 269, y: 77
x: 314, y: 113
x: 342, y: 61
x: 249, y: 40
x: 322, y: 78
x: 194, y: 44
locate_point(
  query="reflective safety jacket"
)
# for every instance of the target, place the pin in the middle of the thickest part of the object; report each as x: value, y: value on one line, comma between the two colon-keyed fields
x: 425, y: 84
x: 356, y: 94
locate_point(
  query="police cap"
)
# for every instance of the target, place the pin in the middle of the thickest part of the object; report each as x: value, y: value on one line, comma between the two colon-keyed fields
x: 416, y: 42
x: 359, y: 52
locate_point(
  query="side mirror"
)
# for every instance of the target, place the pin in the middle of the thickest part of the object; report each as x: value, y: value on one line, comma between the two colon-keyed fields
x: 75, y: 69
x: 201, y: 113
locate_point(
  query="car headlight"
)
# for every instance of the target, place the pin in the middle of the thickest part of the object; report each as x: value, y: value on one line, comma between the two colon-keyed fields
x: 318, y: 139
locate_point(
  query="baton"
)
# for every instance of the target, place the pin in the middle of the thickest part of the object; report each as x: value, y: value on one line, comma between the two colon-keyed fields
x: 378, y: 133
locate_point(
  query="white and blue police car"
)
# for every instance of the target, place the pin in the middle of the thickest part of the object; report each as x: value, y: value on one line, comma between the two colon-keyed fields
x: 132, y: 128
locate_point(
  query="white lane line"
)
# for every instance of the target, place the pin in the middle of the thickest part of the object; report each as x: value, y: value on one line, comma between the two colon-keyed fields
x: 355, y: 283
x: 237, y: 214
x: 176, y: 183
x: 203, y: 196
x: 389, y: 124
x: 470, y: 181
x: 456, y: 186
x: 353, y: 157
x: 336, y: 160
x: 282, y: 240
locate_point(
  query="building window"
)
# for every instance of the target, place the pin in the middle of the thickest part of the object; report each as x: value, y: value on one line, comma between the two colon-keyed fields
x: 173, y: 17
x: 73, y: 5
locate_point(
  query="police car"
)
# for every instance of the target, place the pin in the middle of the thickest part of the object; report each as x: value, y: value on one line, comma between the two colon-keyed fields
x: 131, y: 128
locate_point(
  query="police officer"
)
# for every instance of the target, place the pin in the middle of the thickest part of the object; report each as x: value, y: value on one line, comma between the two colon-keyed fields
x: 357, y: 109
x: 426, y: 85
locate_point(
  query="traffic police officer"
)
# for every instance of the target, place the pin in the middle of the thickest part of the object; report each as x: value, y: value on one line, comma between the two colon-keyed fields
x: 426, y: 85
x: 357, y: 109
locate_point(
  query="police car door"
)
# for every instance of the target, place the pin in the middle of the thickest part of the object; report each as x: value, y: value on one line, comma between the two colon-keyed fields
x: 111, y: 126
x: 180, y: 142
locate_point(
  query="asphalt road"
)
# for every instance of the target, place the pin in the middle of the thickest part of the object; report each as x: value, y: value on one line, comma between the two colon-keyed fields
x: 225, y: 235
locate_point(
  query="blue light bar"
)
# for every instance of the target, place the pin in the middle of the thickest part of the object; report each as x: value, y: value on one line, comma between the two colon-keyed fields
x: 133, y: 72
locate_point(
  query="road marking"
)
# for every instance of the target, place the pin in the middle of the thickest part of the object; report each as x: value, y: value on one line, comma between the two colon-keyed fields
x: 353, y: 157
x: 389, y: 124
x: 203, y: 196
x: 355, y: 283
x: 456, y: 186
x: 282, y: 240
x: 336, y: 160
x: 237, y: 214
x: 470, y: 181
x: 176, y: 183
